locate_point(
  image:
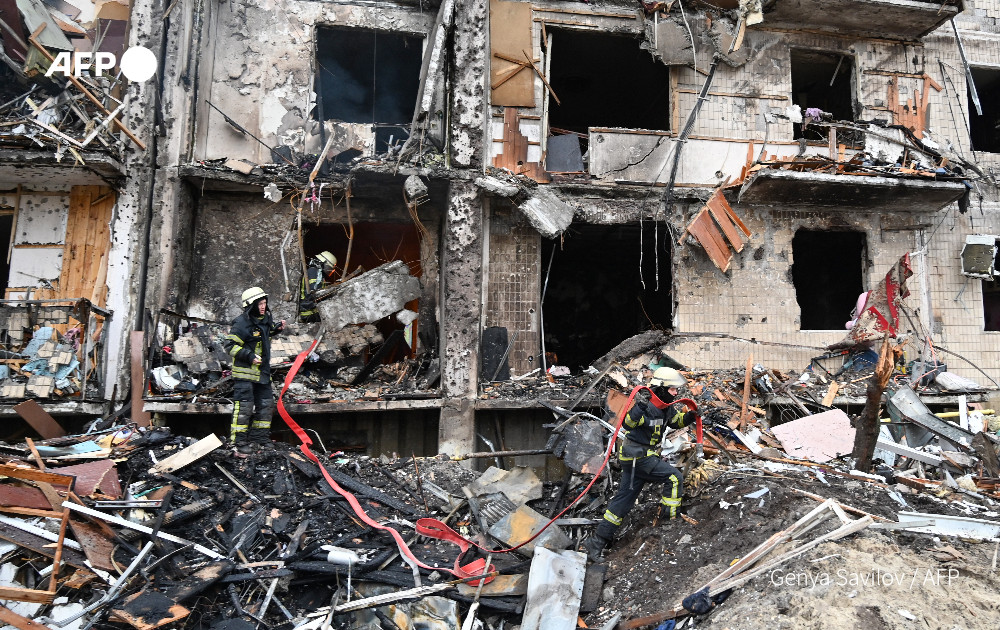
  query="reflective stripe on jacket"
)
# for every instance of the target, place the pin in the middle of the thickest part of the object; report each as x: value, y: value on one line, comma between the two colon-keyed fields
x: 644, y: 429
x: 250, y: 336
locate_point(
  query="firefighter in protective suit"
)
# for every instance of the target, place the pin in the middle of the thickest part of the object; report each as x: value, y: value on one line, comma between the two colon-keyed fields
x: 249, y: 344
x: 639, y: 456
x: 320, y: 268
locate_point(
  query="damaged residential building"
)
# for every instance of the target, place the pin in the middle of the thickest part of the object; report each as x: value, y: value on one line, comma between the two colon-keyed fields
x: 513, y: 191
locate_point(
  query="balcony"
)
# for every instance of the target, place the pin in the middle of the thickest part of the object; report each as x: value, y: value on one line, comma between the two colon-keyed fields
x: 883, y: 19
x: 774, y: 187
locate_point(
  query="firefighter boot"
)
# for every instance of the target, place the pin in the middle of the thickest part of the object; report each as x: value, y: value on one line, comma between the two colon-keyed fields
x: 260, y: 436
x: 594, y: 546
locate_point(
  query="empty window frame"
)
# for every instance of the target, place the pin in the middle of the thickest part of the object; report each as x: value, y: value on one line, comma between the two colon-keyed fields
x: 823, y: 81
x: 828, y: 273
x: 984, y: 129
x: 368, y: 76
x: 991, y: 296
x: 594, y: 297
x: 605, y: 80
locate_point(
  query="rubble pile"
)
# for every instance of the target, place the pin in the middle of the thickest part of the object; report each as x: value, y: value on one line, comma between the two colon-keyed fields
x: 146, y: 529
x: 41, y: 355
x: 51, y: 100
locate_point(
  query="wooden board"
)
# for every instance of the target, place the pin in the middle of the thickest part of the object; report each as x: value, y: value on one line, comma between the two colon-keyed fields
x: 718, y: 205
x: 10, y: 617
x: 703, y: 229
x: 137, y: 341
x: 39, y: 419
x: 514, y: 151
x: 192, y: 453
x: 510, y: 35
x: 84, y: 267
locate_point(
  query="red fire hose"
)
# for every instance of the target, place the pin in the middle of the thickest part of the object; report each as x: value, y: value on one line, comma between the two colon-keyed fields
x: 432, y: 527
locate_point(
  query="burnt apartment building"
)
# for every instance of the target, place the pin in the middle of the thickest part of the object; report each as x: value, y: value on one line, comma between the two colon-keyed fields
x: 535, y: 183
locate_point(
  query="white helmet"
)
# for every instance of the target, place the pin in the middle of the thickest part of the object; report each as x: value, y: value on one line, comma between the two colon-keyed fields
x: 667, y: 377
x: 251, y: 295
x: 327, y: 259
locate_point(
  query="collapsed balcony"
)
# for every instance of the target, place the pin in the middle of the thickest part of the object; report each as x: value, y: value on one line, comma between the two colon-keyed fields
x: 884, y: 19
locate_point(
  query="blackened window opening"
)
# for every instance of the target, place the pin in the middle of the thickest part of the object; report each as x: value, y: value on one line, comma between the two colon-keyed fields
x: 985, y: 129
x: 374, y: 244
x: 6, y: 226
x: 991, y: 299
x: 827, y: 271
x: 595, y: 299
x: 368, y: 76
x: 606, y: 81
x: 822, y: 81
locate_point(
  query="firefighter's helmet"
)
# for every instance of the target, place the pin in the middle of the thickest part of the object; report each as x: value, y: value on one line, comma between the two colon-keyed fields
x: 328, y: 260
x: 251, y: 295
x: 667, y: 377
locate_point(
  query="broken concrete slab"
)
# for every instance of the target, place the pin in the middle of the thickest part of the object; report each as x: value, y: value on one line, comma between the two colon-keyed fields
x: 369, y: 297
x: 547, y: 213
x: 819, y: 437
x: 519, y: 485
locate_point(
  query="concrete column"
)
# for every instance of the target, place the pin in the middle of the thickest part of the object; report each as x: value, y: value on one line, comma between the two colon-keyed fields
x: 461, y: 306
x: 467, y: 117
x: 462, y: 249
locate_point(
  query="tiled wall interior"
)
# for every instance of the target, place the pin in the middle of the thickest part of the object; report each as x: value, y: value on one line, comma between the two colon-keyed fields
x: 512, y: 287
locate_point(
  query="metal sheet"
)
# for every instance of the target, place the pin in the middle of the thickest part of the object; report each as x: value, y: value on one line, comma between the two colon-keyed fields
x: 819, y: 438
x: 521, y: 524
x: 555, y: 586
x: 92, y: 476
x: 907, y: 405
x: 952, y: 525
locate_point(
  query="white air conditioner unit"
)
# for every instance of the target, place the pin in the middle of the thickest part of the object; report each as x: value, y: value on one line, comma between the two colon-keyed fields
x: 978, y: 256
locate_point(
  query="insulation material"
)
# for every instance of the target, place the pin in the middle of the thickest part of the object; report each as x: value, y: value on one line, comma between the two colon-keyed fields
x: 30, y: 266
x: 510, y: 36
x: 42, y: 219
x: 880, y: 313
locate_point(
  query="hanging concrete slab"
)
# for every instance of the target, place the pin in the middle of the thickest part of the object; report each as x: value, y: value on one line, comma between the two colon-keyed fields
x: 774, y: 187
x: 370, y: 297
x: 547, y: 213
x: 882, y: 19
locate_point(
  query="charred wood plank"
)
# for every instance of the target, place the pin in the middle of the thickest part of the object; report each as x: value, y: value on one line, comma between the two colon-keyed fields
x: 360, y: 488
x: 390, y: 344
